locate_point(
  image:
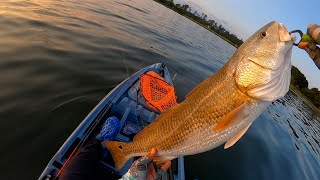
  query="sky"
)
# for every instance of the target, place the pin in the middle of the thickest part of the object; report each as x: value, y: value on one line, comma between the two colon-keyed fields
x: 244, y: 17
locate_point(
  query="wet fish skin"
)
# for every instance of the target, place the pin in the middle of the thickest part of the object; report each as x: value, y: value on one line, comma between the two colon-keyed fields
x: 222, y: 107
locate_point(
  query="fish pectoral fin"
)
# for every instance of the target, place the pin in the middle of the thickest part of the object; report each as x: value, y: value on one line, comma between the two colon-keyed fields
x: 236, y: 138
x: 238, y: 114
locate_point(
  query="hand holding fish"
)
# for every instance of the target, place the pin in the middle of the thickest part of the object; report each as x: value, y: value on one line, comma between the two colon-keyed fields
x: 309, y: 43
x: 143, y: 168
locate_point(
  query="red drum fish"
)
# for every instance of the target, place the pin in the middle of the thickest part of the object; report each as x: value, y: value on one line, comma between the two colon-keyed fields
x: 221, y: 108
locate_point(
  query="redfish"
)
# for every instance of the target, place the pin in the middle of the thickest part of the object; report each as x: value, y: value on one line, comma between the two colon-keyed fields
x: 221, y: 108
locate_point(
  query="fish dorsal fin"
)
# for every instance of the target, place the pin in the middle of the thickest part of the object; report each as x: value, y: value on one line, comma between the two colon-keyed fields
x: 159, y: 120
x: 238, y: 114
x: 233, y: 140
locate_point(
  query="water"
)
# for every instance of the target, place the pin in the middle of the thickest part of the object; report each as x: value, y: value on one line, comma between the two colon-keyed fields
x: 59, y: 58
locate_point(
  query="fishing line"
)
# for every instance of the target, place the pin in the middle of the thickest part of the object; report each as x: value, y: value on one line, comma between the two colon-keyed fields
x: 136, y: 113
x: 66, y: 102
x: 125, y: 63
x: 88, y: 93
x: 174, y: 76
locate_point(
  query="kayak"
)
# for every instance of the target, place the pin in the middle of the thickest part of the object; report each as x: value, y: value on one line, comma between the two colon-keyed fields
x: 126, y: 102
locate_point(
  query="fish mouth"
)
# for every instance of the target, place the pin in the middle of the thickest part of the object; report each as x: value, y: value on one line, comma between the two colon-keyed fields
x: 284, y: 34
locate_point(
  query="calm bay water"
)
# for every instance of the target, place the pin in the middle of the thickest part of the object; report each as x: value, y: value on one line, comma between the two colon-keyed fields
x: 59, y: 58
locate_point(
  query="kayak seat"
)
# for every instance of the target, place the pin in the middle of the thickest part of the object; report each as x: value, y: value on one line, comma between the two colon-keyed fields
x: 132, y: 115
x: 136, y: 110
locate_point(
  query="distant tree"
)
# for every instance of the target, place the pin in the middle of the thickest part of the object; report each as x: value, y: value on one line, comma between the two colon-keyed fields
x: 300, y: 82
x: 316, y: 100
x: 185, y: 7
x: 298, y: 79
x: 205, y: 17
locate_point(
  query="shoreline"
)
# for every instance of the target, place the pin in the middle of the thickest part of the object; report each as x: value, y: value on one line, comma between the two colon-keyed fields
x: 222, y: 37
x: 304, y: 98
x: 225, y: 39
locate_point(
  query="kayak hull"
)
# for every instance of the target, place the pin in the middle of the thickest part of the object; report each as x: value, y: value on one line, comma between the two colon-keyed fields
x: 123, y: 101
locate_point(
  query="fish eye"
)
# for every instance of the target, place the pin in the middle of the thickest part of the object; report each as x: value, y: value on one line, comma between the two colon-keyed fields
x: 263, y: 34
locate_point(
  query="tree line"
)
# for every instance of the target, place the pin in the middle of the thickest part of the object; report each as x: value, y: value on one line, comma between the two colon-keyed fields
x: 202, y: 19
x: 299, y: 81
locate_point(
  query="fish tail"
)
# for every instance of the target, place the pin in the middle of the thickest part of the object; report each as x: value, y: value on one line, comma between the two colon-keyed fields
x: 116, y: 149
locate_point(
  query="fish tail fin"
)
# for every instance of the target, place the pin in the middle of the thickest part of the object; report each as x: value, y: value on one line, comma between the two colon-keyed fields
x: 116, y: 149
